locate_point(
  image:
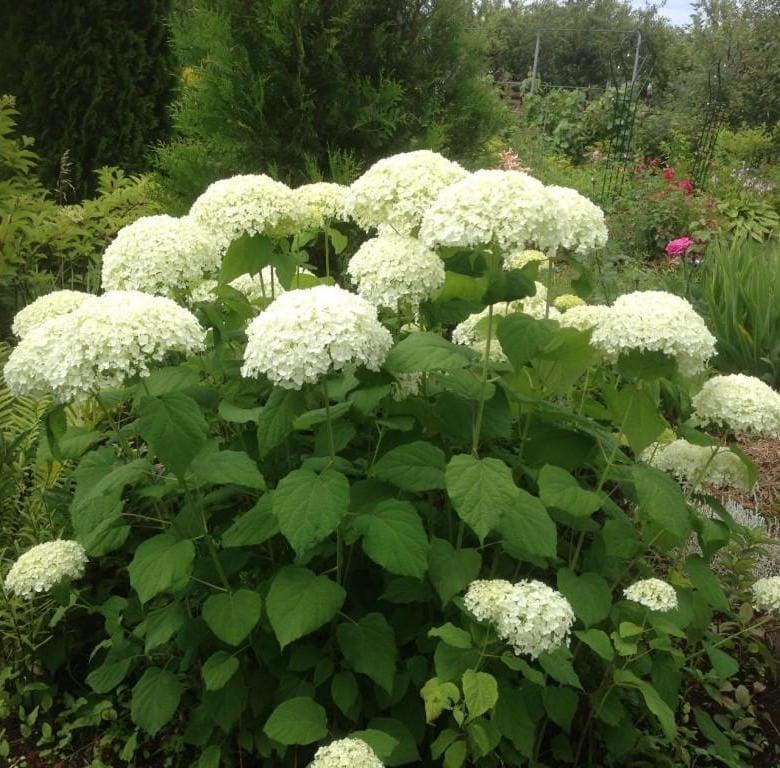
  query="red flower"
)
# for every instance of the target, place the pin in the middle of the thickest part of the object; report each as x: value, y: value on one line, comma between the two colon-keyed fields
x: 686, y: 185
x: 669, y: 173
x: 679, y: 246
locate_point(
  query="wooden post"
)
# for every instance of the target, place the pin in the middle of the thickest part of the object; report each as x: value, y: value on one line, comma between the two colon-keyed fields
x: 536, y: 63
x: 636, y: 57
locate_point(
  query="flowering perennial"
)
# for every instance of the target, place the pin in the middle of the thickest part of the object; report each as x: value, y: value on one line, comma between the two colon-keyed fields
x: 44, y: 566
x: 579, y: 223
x: 159, y: 254
x: 698, y: 465
x: 519, y: 259
x: 304, y: 334
x: 655, y: 321
x: 45, y: 308
x: 740, y: 403
x: 766, y: 594
x: 654, y: 594
x: 264, y: 285
x: 485, y: 598
x: 394, y: 193
x: 251, y: 204
x: 323, y: 202
x: 583, y: 317
x: 396, y: 270
x: 678, y: 247
x: 109, y: 339
x: 567, y: 301
x: 346, y: 753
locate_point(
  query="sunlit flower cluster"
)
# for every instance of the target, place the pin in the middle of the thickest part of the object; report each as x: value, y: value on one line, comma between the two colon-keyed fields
x: 323, y: 202
x: 584, y: 317
x: 250, y: 204
x: 394, y: 193
x: 485, y: 598
x: 346, y: 753
x: 567, y: 301
x: 44, y: 566
x: 159, y: 254
x: 304, y: 334
x: 519, y: 259
x: 45, y: 308
x: 740, y: 403
x: 699, y: 465
x: 654, y: 594
x: 655, y: 321
x: 109, y: 339
x: 394, y: 271
x: 580, y: 223
x: 766, y: 594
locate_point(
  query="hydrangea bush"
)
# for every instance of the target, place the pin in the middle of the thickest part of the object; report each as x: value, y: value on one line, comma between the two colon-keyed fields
x: 308, y: 531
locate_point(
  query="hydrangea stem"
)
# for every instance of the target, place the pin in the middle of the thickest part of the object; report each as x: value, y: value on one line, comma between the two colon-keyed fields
x: 483, y: 388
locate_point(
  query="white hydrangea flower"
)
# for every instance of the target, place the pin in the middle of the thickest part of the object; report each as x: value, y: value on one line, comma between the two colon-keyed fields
x: 484, y: 598
x: 519, y: 259
x: 567, y: 301
x: 536, y: 305
x: 305, y: 334
x: 654, y: 594
x: 580, y: 223
x: 45, y: 308
x: 44, y: 566
x: 508, y: 208
x: 766, y: 594
x: 395, y: 270
x: 699, y: 465
x: 250, y: 204
x: 394, y: 193
x: 323, y: 202
x: 107, y: 340
x: 655, y: 321
x: 584, y: 317
x: 159, y: 255
x: 264, y: 285
x: 406, y: 385
x: 346, y: 753
x: 741, y: 403
x: 534, y: 619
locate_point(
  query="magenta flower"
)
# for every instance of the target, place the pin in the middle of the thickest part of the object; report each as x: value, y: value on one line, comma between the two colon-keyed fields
x: 679, y: 246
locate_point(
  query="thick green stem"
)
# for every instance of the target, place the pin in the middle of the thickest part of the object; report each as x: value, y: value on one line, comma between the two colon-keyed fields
x: 483, y: 388
x: 327, y: 251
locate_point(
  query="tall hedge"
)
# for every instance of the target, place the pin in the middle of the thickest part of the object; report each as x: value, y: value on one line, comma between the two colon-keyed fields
x: 91, y: 77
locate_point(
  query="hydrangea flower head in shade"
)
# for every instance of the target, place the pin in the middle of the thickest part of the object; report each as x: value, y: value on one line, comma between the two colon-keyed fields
x: 740, y: 403
x: 159, y: 255
x: 766, y: 594
x: 346, y: 753
x: 393, y: 271
x: 567, y: 301
x: 485, y: 598
x: 584, y: 317
x: 323, y: 202
x: 106, y: 341
x: 45, y: 308
x: 521, y: 258
x: 655, y: 321
x: 305, y: 334
x: 654, y: 594
x: 394, y: 193
x: 44, y: 566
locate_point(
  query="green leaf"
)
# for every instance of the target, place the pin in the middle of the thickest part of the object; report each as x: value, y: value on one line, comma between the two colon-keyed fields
x: 560, y: 705
x: 232, y: 616
x: 706, y: 583
x: 247, y: 254
x: 161, y: 564
x: 527, y: 529
x: 311, y: 418
x: 255, y: 527
x: 450, y: 570
x: 508, y: 285
x: 299, y: 602
x: 417, y: 466
x: 299, y: 720
x: 370, y: 648
x: 97, y: 476
x: 484, y: 736
x: 455, y: 756
x: 558, y: 488
x: 598, y: 641
x: 481, y: 490
x: 480, y: 691
x: 309, y: 507
x: 218, y: 669
x: 163, y: 381
x: 514, y: 721
x: 345, y: 693
x: 662, y: 502
x: 405, y: 751
x: 108, y: 675
x: 635, y: 412
x: 725, y: 666
x: 155, y: 700
x: 394, y: 537
x: 99, y: 526
x: 522, y: 337
x: 588, y: 593
x: 380, y: 742
x: 452, y: 635
x: 424, y: 351
x: 558, y: 665
x: 647, y: 365
x: 276, y: 417
x: 210, y: 757
x: 437, y: 697
x: 653, y: 700
x: 236, y: 415
x: 162, y: 624
x: 174, y: 428
x: 463, y: 287
x: 227, y: 467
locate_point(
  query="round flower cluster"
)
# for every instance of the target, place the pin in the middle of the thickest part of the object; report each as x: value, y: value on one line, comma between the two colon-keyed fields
x: 741, y: 403
x: 698, y: 465
x: 159, y: 254
x: 766, y: 594
x: 579, y: 222
x: 323, y: 202
x: 519, y: 259
x: 655, y: 321
x: 251, y: 204
x: 508, y: 208
x: 346, y: 753
x: 45, y: 308
x: 584, y: 317
x: 567, y: 301
x: 406, y: 385
x: 395, y: 193
x: 304, y: 334
x: 264, y: 285
x: 44, y: 566
x: 654, y: 594
x: 103, y: 343
x: 485, y: 598
x: 396, y: 270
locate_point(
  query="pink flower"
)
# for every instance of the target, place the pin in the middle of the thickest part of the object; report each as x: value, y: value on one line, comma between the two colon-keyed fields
x: 686, y: 185
x: 669, y: 173
x: 679, y: 246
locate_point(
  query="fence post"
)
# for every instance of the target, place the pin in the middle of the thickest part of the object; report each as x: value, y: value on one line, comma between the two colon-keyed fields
x: 536, y: 63
x: 636, y: 57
